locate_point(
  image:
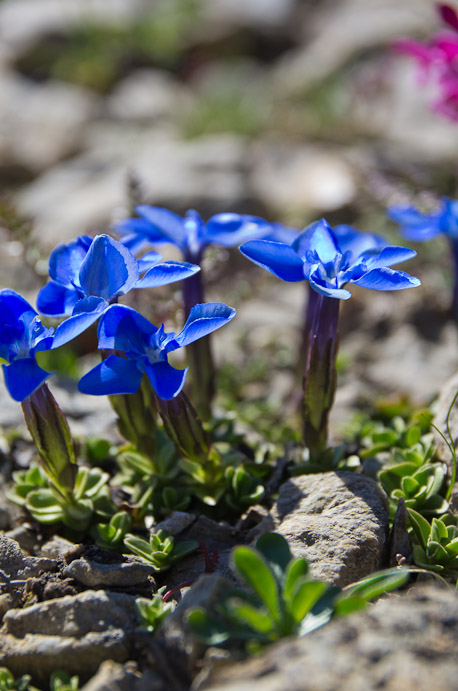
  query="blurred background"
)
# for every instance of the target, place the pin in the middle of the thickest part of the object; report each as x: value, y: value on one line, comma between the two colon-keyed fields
x: 288, y: 109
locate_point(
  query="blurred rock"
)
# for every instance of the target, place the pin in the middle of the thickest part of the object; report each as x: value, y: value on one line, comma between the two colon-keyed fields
x: 112, y: 676
x: 93, y: 574
x: 41, y: 123
x: 338, y: 32
x: 337, y: 521
x: 85, y: 193
x: 441, y: 409
x: 402, y: 642
x: 145, y: 96
x: 24, y: 22
x: 303, y: 178
x: 258, y: 14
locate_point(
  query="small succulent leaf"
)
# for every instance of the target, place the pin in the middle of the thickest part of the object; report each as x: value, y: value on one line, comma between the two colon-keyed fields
x: 44, y: 507
x: 452, y: 548
x: 182, y: 549
x: 138, y: 546
x: 255, y: 572
x: 438, y: 531
x: 420, y: 526
x: 313, y: 621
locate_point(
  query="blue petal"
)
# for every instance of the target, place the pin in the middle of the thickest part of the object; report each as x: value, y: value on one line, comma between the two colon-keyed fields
x: 276, y: 257
x: 165, y: 379
x: 109, y: 269
x: 329, y: 291
x: 165, y: 273
x: 123, y: 328
x: 387, y: 257
x: 57, y: 300
x: 325, y: 287
x: 387, y: 279
x: 13, y: 306
x: 229, y: 230
x: 78, y: 322
x: 65, y: 260
x: 202, y: 320
x: 23, y: 377
x: 317, y: 237
x: 415, y: 225
x: 140, y: 228
x: 148, y: 260
x: 351, y: 240
x: 168, y: 224
x: 114, y: 375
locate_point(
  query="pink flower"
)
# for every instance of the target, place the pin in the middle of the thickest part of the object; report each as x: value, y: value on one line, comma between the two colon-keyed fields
x: 438, y: 62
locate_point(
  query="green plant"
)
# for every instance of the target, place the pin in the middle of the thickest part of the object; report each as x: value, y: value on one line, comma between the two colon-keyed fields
x: 111, y: 535
x: 437, y: 543
x: 282, y: 598
x: 161, y: 552
x: 9, y: 683
x: 152, y: 613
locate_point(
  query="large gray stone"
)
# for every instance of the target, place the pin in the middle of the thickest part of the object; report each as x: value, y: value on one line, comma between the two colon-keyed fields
x: 74, y: 615
x: 337, y: 521
x: 404, y: 642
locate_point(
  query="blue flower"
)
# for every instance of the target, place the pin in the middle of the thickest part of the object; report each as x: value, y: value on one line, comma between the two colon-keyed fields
x: 191, y: 235
x: 87, y: 275
x: 146, y: 349
x: 418, y: 226
x: 330, y: 259
x: 21, y: 336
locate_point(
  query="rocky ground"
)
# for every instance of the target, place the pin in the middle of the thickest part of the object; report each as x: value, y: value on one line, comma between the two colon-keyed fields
x: 277, y: 109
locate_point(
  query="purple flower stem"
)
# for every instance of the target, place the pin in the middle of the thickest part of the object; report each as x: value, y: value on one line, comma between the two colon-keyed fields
x: 199, y: 353
x: 321, y: 340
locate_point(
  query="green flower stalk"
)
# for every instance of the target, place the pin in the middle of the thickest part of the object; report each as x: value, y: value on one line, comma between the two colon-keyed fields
x: 51, y: 435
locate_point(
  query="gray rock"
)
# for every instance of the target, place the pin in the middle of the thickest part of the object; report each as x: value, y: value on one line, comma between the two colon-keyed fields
x: 332, y: 39
x: 146, y: 96
x: 85, y: 193
x: 57, y: 547
x: 115, y: 677
x: 258, y: 14
x: 337, y: 521
x: 306, y: 178
x: 74, y: 615
x: 402, y: 642
x: 16, y: 565
x: 41, y: 655
x: 218, y: 539
x: 442, y: 406
x: 93, y: 574
x: 175, y: 523
x: 40, y: 123
x: 23, y: 22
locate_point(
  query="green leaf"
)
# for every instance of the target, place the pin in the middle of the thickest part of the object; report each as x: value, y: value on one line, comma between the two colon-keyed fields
x: 348, y: 605
x: 305, y: 597
x: 258, y: 619
x: 207, y: 628
x: 256, y: 574
x: 420, y: 526
x: 44, y: 507
x: 275, y: 550
x: 296, y: 569
x: 378, y: 584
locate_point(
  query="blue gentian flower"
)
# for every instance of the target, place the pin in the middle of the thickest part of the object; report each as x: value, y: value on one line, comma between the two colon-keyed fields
x: 146, y: 348
x: 87, y: 275
x: 22, y: 335
x: 330, y: 259
x: 419, y: 226
x: 191, y: 235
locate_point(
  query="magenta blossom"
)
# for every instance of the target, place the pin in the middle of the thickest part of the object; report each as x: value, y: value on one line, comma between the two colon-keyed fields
x: 438, y: 62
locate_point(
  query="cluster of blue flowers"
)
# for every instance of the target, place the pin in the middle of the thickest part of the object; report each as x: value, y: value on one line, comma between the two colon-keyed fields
x: 88, y: 276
